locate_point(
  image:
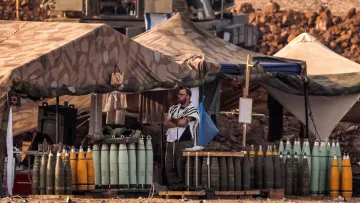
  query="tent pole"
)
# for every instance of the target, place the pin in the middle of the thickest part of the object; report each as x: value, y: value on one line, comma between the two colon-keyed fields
x: 57, y: 120
x: 306, y: 108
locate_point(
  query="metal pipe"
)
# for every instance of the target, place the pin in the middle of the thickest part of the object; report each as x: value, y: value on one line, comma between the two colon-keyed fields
x: 306, y: 108
x: 57, y: 120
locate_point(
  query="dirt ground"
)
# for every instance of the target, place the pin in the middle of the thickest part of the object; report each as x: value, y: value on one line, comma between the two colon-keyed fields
x: 148, y: 200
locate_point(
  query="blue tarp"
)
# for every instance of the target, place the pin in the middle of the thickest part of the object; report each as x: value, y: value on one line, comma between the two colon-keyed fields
x: 207, y: 128
x: 268, y: 63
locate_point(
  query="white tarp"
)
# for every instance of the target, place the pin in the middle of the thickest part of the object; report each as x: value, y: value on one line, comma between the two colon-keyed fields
x: 327, y: 111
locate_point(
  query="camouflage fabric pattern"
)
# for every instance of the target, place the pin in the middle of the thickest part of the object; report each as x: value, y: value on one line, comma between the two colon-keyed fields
x: 185, y: 42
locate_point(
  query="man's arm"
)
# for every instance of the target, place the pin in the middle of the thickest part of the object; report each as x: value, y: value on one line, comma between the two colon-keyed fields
x: 169, y: 123
x: 184, y: 121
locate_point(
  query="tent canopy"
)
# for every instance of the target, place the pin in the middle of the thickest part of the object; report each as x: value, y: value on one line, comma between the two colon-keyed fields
x: 333, y: 85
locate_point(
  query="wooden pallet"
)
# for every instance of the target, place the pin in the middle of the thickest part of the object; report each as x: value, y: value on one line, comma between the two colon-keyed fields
x: 205, y: 154
x: 273, y: 193
x: 122, y: 193
x: 56, y: 196
x: 202, y: 194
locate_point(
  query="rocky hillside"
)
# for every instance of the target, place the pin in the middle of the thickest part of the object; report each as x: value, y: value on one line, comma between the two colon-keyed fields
x: 278, y: 27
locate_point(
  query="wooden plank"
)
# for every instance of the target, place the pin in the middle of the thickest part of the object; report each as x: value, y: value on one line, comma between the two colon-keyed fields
x: 56, y: 196
x: 182, y: 193
x: 252, y: 192
x: 202, y: 153
x: 229, y: 192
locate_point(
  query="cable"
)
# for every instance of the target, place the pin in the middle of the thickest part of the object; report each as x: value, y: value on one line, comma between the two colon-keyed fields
x: 312, y: 119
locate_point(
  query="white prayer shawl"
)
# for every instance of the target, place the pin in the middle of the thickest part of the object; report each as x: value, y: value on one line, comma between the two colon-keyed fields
x: 176, y: 112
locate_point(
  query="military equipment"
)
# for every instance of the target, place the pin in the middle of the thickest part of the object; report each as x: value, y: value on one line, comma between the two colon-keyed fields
x: 338, y: 153
x: 304, y: 181
x: 288, y: 175
x: 281, y: 147
x: 50, y: 175
x: 334, y: 178
x: 282, y: 170
x: 252, y: 167
x: 223, y: 174
x: 315, y: 169
x: 215, y: 174
x: 36, y: 176
x: 59, y: 175
x: 132, y: 165
x: 306, y: 149
x: 231, y: 175
x: 268, y: 170
x: 323, y: 168
x: 189, y: 171
x: 73, y: 163
x: 149, y: 162
x: 237, y: 173
x: 245, y: 172
x: 141, y: 163
x: 97, y: 166
x: 63, y: 153
x: 277, y: 171
x: 328, y: 167
x: 114, y: 166
x: 288, y: 149
x: 197, y: 170
x: 105, y: 166
x: 81, y: 178
x: 295, y: 168
x: 123, y: 166
x: 43, y: 165
x: 68, y: 175
x: 204, y: 172
x: 90, y: 169
x: 259, y: 169
x: 297, y: 150
x: 346, y: 177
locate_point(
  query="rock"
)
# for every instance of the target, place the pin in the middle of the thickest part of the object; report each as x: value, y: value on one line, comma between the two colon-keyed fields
x: 246, y: 8
x: 336, y: 20
x: 274, y: 29
x: 291, y: 36
x: 272, y: 8
x: 287, y: 19
x: 351, y: 13
x: 311, y: 17
x: 323, y: 22
x: 355, y: 40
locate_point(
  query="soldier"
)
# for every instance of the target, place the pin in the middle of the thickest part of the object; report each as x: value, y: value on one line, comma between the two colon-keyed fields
x: 182, y: 120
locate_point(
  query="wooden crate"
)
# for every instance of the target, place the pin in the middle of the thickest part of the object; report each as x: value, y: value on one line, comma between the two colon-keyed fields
x: 273, y: 193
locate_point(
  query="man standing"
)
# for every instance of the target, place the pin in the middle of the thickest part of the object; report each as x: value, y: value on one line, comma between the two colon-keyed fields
x: 181, y: 122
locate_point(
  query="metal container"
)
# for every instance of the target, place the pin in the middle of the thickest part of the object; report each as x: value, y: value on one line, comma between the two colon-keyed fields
x: 59, y: 175
x: 114, y: 166
x: 36, y: 176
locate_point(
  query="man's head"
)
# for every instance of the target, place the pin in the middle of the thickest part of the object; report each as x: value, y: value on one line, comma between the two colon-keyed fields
x: 184, y: 95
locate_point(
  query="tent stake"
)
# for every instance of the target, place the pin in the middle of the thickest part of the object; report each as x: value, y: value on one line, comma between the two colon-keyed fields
x: 57, y: 120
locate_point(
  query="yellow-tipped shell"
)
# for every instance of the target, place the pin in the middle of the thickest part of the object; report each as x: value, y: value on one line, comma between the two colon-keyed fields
x: 73, y: 164
x: 90, y: 170
x: 346, y: 178
x: 334, y: 178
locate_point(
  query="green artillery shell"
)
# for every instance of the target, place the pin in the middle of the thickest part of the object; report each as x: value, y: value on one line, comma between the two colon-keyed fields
x: 295, y: 168
x: 315, y: 169
x: 231, y: 176
x: 35, y: 176
x: 214, y: 174
x: 288, y: 175
x: 323, y: 168
x: 59, y: 176
x: 305, y: 177
x: 246, y: 172
x: 223, y: 174
x: 259, y: 179
x: 43, y: 165
x: 68, y: 175
x: 50, y: 175
x: 237, y: 173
